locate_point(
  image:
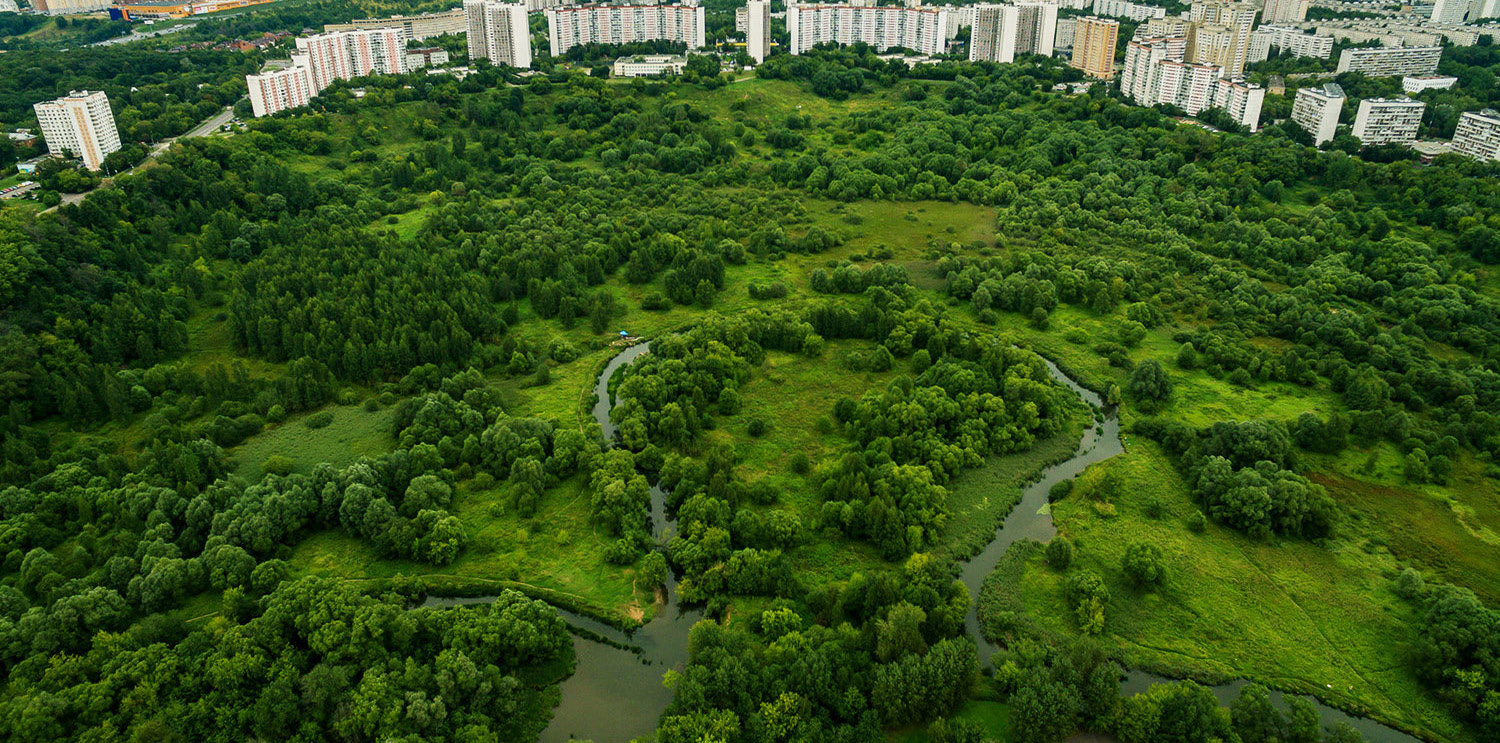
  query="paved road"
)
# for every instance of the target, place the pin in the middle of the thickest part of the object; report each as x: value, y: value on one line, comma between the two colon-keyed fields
x: 208, y: 127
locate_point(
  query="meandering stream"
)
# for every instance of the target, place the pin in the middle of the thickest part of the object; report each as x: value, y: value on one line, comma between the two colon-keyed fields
x: 616, y: 695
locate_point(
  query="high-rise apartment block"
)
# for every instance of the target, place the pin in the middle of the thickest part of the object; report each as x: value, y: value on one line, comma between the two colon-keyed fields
x: 883, y: 27
x: 568, y: 27
x: 322, y: 59
x: 1453, y: 12
x: 1160, y: 28
x: 1317, y: 111
x: 1288, y: 40
x: 1478, y: 134
x: 1128, y: 10
x: 1283, y: 11
x: 498, y: 32
x: 279, y: 90
x: 1002, y: 31
x: 1155, y: 73
x: 1094, y: 46
x: 1219, y: 34
x: 1391, y: 61
x: 758, y: 29
x: 1414, y: 84
x: 61, y: 7
x: 79, y: 123
x: 1388, y: 121
x: 1067, y: 28
x: 423, y: 26
x: 1241, y: 100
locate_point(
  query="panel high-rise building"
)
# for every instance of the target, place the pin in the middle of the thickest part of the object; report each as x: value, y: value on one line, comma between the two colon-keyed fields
x: 1094, y: 46
x: 1452, y: 11
x: 498, y: 32
x: 919, y: 29
x: 1391, y: 61
x: 758, y: 29
x: 344, y: 55
x: 1001, y: 32
x: 1317, y: 111
x: 568, y: 27
x: 279, y: 90
x: 1478, y: 134
x: 1283, y: 11
x: 1219, y: 34
x: 1388, y: 121
x: 79, y: 123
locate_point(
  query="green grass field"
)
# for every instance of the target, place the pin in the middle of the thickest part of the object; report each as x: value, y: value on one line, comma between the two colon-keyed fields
x: 354, y: 433
x: 992, y: 717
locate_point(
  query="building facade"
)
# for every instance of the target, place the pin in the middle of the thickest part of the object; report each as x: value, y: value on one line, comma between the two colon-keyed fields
x: 1283, y: 11
x: 758, y: 29
x: 427, y: 56
x: 1289, y: 41
x: 62, y: 7
x: 1391, y: 61
x: 1414, y: 84
x: 1128, y: 10
x: 916, y: 28
x: 1067, y: 28
x: 1218, y: 33
x: 1388, y: 121
x: 1317, y: 111
x: 1478, y: 135
x: 344, y: 55
x: 1094, y: 46
x: 648, y: 65
x: 498, y: 32
x: 279, y: 90
x: 1241, y: 100
x: 568, y: 27
x: 417, y: 27
x: 1002, y: 31
x: 79, y: 123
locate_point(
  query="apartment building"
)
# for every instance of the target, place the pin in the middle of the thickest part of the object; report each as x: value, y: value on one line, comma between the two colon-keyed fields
x: 1219, y: 34
x: 279, y: 90
x: 63, y: 7
x: 427, y: 56
x: 1002, y: 31
x: 1414, y: 84
x: 648, y: 65
x: 79, y: 124
x: 498, y: 32
x: 1452, y: 11
x: 1128, y: 10
x: 1388, y: 121
x: 1158, y: 28
x: 1094, y: 46
x: 1478, y: 135
x: 1283, y: 11
x: 344, y: 55
x: 568, y: 27
x: 758, y: 29
x: 916, y: 28
x: 1391, y: 61
x: 959, y: 18
x: 1067, y: 28
x: 1288, y: 40
x: 423, y: 26
x: 1317, y: 111
x: 1241, y: 100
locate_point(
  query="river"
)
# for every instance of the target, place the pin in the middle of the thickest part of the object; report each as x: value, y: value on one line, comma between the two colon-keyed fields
x: 616, y: 694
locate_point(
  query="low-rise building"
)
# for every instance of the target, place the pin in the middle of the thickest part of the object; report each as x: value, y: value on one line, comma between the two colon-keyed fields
x: 648, y: 65
x: 1388, y: 121
x: 427, y: 56
x: 1414, y: 84
x: 423, y: 26
x: 1478, y: 135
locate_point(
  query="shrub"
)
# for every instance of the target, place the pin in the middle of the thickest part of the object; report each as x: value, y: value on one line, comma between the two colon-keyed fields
x: 277, y: 464
x: 1087, y: 596
x: 1155, y: 507
x: 800, y: 465
x: 1145, y: 564
x: 319, y: 420
x: 276, y: 414
x: 1197, y: 522
x: 758, y: 427
x: 1059, y: 490
x: 1059, y: 552
x: 372, y: 405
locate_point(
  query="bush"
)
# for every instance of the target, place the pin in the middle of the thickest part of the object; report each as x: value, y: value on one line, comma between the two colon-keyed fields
x: 1087, y: 596
x: 277, y: 464
x: 276, y: 414
x: 372, y: 405
x: 1059, y: 490
x: 348, y: 396
x: 800, y: 465
x: 1145, y: 564
x: 655, y: 302
x: 319, y: 420
x: 1197, y: 522
x: 1059, y: 553
x: 758, y: 427
x: 1155, y: 507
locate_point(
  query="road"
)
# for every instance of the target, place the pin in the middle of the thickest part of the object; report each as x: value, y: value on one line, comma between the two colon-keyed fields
x: 208, y: 127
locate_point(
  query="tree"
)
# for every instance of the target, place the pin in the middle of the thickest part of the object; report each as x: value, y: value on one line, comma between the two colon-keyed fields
x: 1145, y: 564
x: 1150, y: 384
x: 1059, y: 553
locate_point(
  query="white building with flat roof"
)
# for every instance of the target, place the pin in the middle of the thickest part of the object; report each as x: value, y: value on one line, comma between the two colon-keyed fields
x: 1414, y: 84
x: 1128, y: 10
x: 498, y: 32
x: 1388, y: 121
x: 1478, y: 135
x: 1288, y: 40
x: 919, y: 29
x: 1391, y: 61
x: 1317, y: 111
x: 758, y: 29
x: 345, y: 55
x: 572, y: 26
x: 1241, y: 100
x: 279, y: 90
x: 648, y: 65
x: 1002, y: 31
x: 1283, y: 11
x: 81, y: 124
x: 423, y: 26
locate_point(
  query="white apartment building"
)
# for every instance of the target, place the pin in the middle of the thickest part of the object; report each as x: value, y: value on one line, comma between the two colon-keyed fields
x: 344, y: 55
x: 1067, y: 28
x: 1159, y: 28
x: 1241, y: 100
x: 423, y: 26
x: 916, y: 28
x: 1388, y: 121
x: 1219, y: 34
x: 1391, y: 61
x: 959, y: 17
x: 1451, y: 11
x: 279, y: 90
x: 1414, y: 84
x: 1478, y: 135
x: 498, y: 32
x: 1002, y: 31
x: 758, y: 29
x: 63, y: 7
x: 427, y: 56
x: 1283, y: 11
x: 568, y: 27
x: 1317, y: 111
x: 81, y: 124
x: 1128, y: 10
x: 648, y: 65
x: 1287, y: 40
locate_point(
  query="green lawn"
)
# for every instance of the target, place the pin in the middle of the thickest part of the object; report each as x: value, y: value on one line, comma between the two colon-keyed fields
x: 354, y: 433
x: 992, y: 717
